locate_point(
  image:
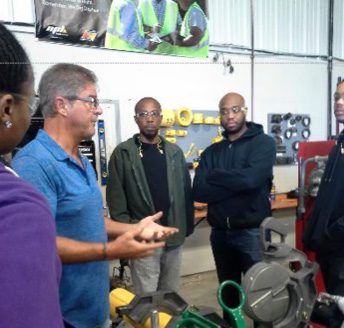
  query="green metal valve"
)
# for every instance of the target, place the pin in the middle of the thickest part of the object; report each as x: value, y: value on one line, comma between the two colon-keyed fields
x: 236, y: 315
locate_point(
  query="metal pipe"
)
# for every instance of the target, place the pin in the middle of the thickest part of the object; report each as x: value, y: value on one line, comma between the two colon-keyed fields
x: 247, y: 51
x: 301, y: 204
x: 252, y: 59
x: 329, y: 69
x: 302, y: 192
x: 154, y: 316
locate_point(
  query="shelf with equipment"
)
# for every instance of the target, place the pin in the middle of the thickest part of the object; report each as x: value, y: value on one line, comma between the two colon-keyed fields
x: 192, y: 131
x: 288, y: 130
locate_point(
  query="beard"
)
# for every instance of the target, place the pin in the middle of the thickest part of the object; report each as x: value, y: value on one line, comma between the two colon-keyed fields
x: 150, y: 134
x: 238, y: 128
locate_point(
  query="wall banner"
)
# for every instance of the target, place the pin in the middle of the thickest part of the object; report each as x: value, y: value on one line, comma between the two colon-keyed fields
x: 173, y: 27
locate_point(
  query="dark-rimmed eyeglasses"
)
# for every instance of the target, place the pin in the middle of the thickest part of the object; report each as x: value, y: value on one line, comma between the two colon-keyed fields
x: 33, y: 102
x: 144, y: 115
x: 93, y: 101
x: 234, y: 110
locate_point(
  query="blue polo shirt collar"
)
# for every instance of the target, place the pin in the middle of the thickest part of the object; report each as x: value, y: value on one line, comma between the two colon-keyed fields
x: 54, y: 148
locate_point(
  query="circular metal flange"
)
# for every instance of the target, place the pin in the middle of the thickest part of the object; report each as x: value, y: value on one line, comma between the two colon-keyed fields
x: 266, y: 288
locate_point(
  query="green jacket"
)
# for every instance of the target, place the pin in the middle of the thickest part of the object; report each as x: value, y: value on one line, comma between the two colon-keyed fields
x: 128, y: 195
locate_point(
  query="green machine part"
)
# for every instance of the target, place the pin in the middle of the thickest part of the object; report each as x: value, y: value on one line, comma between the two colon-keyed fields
x: 192, y: 318
x: 236, y: 315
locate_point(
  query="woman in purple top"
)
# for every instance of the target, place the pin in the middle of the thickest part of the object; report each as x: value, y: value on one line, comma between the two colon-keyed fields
x: 29, y: 266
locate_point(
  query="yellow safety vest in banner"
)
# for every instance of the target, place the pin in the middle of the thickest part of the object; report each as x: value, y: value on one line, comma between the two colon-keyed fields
x: 149, y: 17
x: 201, y: 50
x: 115, y: 27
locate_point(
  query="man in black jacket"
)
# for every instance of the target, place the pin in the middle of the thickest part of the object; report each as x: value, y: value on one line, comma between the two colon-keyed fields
x: 234, y: 177
x: 324, y: 232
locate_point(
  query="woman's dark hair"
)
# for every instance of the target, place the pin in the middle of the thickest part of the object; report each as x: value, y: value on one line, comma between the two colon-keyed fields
x: 15, y: 66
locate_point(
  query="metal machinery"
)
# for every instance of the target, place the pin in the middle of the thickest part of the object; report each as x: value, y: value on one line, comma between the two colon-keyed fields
x: 312, y: 157
x: 167, y: 309
x: 277, y: 292
x: 280, y: 289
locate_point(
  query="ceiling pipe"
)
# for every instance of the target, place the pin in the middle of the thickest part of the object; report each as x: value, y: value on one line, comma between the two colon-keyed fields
x: 330, y: 69
x: 252, y: 58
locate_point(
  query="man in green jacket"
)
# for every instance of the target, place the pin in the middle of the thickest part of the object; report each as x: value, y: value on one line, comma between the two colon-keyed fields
x: 148, y: 174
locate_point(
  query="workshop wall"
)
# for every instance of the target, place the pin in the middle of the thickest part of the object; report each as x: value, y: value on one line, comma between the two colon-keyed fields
x: 280, y: 85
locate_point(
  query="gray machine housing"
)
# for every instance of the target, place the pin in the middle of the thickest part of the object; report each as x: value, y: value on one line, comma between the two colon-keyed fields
x: 280, y: 289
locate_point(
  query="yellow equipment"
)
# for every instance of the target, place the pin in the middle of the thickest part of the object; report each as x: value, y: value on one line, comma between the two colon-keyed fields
x: 166, y: 309
x: 217, y: 120
x: 218, y: 137
x: 170, y: 133
x: 209, y: 120
x: 184, y: 116
x: 168, y: 118
x: 197, y: 118
x: 120, y: 297
x: 171, y: 139
x: 181, y: 133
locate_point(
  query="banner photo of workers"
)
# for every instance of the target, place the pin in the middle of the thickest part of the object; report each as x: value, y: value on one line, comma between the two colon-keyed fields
x: 169, y: 27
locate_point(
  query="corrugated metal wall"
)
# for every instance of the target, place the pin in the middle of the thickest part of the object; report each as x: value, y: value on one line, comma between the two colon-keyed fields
x: 293, y: 26
x: 17, y: 11
x: 229, y: 22
x: 296, y: 26
x: 338, y: 29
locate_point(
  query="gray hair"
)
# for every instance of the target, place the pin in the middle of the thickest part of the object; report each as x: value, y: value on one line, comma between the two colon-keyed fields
x: 62, y: 80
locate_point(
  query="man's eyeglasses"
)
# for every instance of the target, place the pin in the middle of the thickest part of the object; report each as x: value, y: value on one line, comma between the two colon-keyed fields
x: 144, y: 115
x: 234, y: 110
x: 95, y: 102
x: 337, y: 96
x: 33, y: 102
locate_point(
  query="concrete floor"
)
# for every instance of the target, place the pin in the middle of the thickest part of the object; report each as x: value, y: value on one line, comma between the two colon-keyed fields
x: 200, y: 290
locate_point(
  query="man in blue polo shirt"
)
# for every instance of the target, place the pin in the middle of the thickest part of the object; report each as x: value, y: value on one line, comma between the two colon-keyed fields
x: 53, y: 164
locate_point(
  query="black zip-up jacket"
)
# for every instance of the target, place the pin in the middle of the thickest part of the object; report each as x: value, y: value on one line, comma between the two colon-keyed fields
x: 235, y: 179
x: 324, y: 232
